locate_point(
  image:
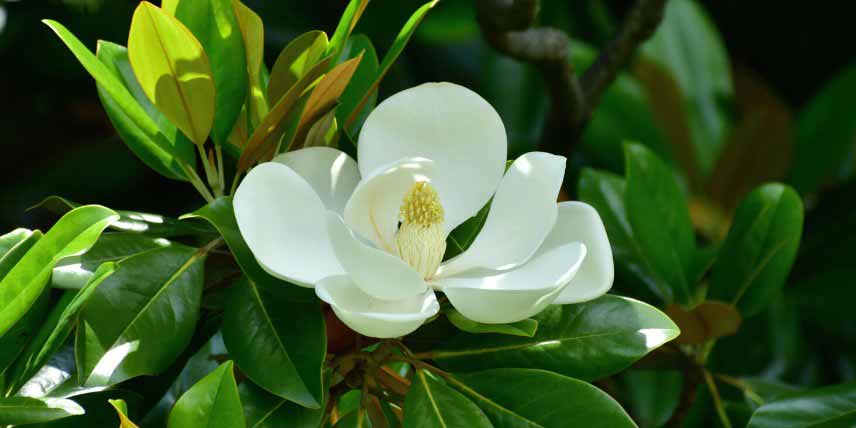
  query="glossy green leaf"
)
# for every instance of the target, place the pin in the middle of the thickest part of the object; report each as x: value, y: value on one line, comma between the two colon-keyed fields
x: 463, y: 236
x: 120, y: 332
x: 73, y: 234
x: 361, y: 82
x: 122, y: 412
x: 25, y: 410
x: 824, y: 135
x: 551, y: 400
x: 431, y: 403
x: 12, y: 239
x: 99, y: 412
x: 154, y: 225
x: 265, y: 410
x: 652, y: 395
x: 658, y: 213
x: 605, y: 192
x: 173, y: 70
x: 688, y: 45
x: 757, y: 255
x: 212, y: 403
x: 16, y: 252
x: 588, y: 340
x: 163, y: 153
x: 259, y: 331
x: 830, y: 407
x: 346, y: 25
x: 74, y: 272
x: 216, y: 27
x: 294, y: 62
x: 54, y: 332
x: 54, y: 378
x: 222, y: 216
x: 524, y: 328
x: 13, y: 342
x: 253, y: 32
x: 389, y: 58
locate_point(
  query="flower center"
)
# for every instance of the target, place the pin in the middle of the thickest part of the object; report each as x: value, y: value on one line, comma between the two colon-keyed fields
x: 420, y: 240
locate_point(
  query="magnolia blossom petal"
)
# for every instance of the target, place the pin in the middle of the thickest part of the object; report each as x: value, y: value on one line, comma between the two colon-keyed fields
x: 450, y: 125
x: 373, y: 209
x: 372, y: 317
x: 376, y: 272
x: 517, y: 294
x: 580, y: 222
x: 521, y: 215
x: 282, y: 220
x: 331, y: 173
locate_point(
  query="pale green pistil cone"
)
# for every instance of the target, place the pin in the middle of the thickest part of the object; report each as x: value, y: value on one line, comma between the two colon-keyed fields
x: 420, y: 240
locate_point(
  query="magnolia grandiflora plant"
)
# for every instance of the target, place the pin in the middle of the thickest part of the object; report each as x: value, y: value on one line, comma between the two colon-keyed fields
x: 370, y: 237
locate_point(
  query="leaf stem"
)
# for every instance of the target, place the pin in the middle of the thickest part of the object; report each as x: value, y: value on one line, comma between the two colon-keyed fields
x: 210, y: 174
x: 221, y: 180
x: 717, y: 400
x: 196, y: 181
x: 741, y: 385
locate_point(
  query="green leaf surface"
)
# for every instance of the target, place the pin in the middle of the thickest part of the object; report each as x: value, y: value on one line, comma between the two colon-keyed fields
x: 525, y: 328
x: 688, y: 45
x: 99, y: 412
x: 216, y: 26
x: 431, y: 403
x: 212, y: 403
x: 138, y: 130
x: 74, y: 272
x: 121, y: 330
x: 54, y: 332
x: 16, y: 252
x: 606, y: 193
x: 265, y: 410
x: 658, y: 213
x: 222, y: 216
x: 346, y: 25
x: 760, y: 248
x: 73, y: 234
x: 551, y: 400
x: 361, y: 82
x: 824, y: 136
x: 652, y: 395
x: 13, y: 342
x: 588, y: 340
x: 830, y: 407
x: 462, y: 237
x: 25, y: 410
x: 12, y: 239
x: 173, y: 70
x: 259, y: 331
x: 294, y: 62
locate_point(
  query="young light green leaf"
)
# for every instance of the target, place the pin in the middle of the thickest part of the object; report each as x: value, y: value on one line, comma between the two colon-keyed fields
x: 588, y: 340
x: 25, y: 410
x: 830, y: 407
x: 162, y: 153
x: 346, y: 25
x: 431, y: 403
x: 553, y: 401
x: 392, y: 54
x: 661, y: 223
x: 258, y: 329
x: 122, y: 411
x: 212, y: 403
x: 253, y: 32
x: 760, y: 248
x: 295, y: 60
x: 120, y: 332
x: 11, y: 239
x: 173, y: 70
x: 525, y: 328
x: 73, y: 234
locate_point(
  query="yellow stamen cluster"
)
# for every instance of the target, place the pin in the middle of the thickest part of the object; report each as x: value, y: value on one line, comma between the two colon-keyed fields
x: 421, y: 206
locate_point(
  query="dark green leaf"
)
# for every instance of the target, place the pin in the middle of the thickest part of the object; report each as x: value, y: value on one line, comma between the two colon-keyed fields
x: 264, y: 410
x: 99, y: 412
x: 830, y: 407
x: 25, y: 410
x: 14, y: 341
x: 260, y: 331
x: 430, y: 403
x: 757, y: 255
x: 75, y: 272
x: 463, y: 236
x: 660, y: 219
x: 121, y: 331
x: 551, y: 400
x: 652, y: 395
x: 588, y: 340
x: 361, y: 82
x: 524, y: 328
x: 212, y: 403
x: 73, y: 234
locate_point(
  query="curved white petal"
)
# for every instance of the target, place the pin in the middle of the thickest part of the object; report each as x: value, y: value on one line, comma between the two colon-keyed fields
x: 331, y: 173
x: 521, y: 215
x: 449, y: 124
x: 372, y: 317
x: 580, y: 222
x: 373, y: 210
x: 376, y: 272
x: 517, y: 294
x: 282, y: 220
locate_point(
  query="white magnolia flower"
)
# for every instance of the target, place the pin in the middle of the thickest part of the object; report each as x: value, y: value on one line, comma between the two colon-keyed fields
x: 371, y: 237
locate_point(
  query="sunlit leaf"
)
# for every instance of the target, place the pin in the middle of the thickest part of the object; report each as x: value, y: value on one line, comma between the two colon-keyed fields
x: 294, y: 62
x: 122, y: 411
x: 346, y: 25
x: 431, y: 403
x: 212, y: 403
x: 25, y: 410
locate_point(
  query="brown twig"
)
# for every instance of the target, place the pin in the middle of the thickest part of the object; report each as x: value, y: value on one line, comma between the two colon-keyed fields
x: 507, y: 26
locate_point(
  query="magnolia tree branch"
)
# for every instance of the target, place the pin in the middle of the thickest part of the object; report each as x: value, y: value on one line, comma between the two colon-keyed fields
x: 507, y: 27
